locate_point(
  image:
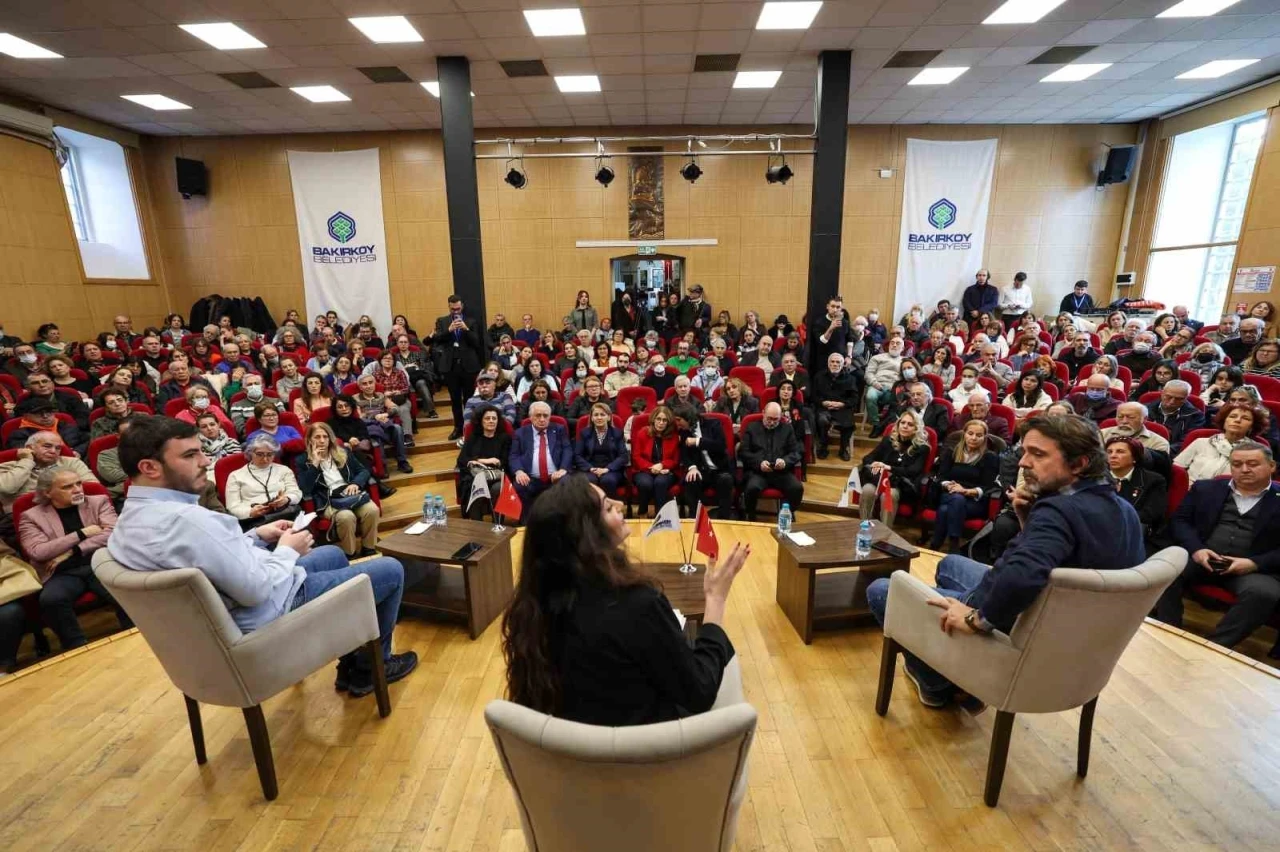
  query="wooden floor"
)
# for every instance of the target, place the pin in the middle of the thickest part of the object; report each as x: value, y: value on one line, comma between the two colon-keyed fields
x: 95, y: 752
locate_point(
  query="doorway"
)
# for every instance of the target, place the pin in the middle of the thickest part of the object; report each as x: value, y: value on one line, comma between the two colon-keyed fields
x: 651, y: 276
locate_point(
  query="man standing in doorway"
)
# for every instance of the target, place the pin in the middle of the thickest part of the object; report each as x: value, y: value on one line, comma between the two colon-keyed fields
x: 459, y: 354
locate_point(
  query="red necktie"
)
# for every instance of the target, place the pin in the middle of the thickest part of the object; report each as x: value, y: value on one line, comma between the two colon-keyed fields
x: 544, y: 460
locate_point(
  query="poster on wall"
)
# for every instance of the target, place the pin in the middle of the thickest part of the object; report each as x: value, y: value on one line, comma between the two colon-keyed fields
x: 645, y: 207
x: 338, y: 198
x: 1253, y: 279
x: 946, y: 195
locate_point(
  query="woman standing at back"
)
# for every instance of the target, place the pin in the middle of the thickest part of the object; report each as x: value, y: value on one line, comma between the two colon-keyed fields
x: 590, y: 638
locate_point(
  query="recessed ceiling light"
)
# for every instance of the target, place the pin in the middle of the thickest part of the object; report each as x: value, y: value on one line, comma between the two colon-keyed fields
x: 1022, y: 11
x: 319, y: 94
x: 433, y: 86
x: 756, y: 79
x: 936, y: 76
x: 1196, y: 8
x: 11, y: 45
x: 1216, y: 68
x: 1075, y: 73
x: 156, y: 101
x: 580, y: 83
x: 224, y: 36
x: 788, y: 16
x: 555, y: 22
x: 387, y: 30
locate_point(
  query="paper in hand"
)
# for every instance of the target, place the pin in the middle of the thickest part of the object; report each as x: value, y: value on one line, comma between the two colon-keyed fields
x: 303, y: 521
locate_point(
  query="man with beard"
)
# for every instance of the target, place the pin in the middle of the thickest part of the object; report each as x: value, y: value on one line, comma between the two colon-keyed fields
x: 1070, y: 516
x: 1131, y: 423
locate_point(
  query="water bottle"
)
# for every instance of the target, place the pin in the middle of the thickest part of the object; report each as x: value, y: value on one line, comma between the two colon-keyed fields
x: 442, y: 512
x: 864, y: 540
x: 428, y: 510
x: 784, y: 519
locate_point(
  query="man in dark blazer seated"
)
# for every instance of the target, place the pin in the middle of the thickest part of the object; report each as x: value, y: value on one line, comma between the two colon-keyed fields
x: 459, y: 353
x: 704, y: 457
x: 541, y: 455
x: 1231, y: 528
x: 769, y: 456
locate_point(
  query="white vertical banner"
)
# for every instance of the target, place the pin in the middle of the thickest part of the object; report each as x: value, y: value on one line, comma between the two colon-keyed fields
x: 945, y: 199
x: 338, y: 198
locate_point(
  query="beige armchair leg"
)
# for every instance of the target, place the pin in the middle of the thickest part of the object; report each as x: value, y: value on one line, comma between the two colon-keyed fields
x: 888, y: 663
x: 999, y: 754
x: 1086, y: 737
x: 197, y: 728
x: 261, y: 742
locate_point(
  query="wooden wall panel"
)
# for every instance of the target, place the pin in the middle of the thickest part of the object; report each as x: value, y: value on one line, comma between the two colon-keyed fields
x: 1260, y: 235
x: 242, y: 239
x: 40, y: 276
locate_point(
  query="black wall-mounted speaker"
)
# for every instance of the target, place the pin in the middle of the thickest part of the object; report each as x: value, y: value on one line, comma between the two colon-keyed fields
x: 193, y: 179
x: 1119, y: 165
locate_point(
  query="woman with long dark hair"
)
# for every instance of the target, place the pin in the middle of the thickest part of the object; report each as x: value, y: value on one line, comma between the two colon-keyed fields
x: 590, y: 638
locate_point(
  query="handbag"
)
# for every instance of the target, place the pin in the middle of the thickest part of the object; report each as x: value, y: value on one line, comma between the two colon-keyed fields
x: 17, y: 579
x: 340, y: 501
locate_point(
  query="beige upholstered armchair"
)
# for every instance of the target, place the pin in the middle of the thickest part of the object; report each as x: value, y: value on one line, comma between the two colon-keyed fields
x: 1060, y: 654
x: 674, y: 786
x: 207, y: 656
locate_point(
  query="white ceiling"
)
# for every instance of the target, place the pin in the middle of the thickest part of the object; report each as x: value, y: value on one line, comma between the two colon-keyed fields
x: 643, y: 53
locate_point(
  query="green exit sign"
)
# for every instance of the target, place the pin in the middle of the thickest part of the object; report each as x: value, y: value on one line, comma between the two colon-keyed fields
x: 647, y: 250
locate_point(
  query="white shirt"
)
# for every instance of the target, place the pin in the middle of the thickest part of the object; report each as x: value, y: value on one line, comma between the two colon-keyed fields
x: 1016, y: 300
x: 1245, y: 502
x: 332, y: 476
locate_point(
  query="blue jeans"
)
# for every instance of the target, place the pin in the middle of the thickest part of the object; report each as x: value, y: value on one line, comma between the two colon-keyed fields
x: 953, y: 511
x: 327, y: 568
x: 958, y: 576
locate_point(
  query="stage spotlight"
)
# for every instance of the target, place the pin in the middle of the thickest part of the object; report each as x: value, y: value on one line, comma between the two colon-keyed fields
x: 604, y: 175
x: 516, y: 178
x: 690, y: 171
x: 778, y: 174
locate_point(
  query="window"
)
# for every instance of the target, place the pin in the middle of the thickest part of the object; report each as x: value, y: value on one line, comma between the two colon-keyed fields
x: 71, y: 184
x: 103, y: 210
x: 1201, y: 212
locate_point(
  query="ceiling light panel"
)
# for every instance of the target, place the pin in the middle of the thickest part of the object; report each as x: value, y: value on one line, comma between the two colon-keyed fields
x: 319, y: 94
x: 18, y: 48
x: 555, y: 22
x: 1022, y: 11
x: 1075, y: 73
x: 936, y: 76
x: 1216, y: 68
x: 159, y: 102
x: 756, y: 79
x: 788, y: 15
x: 390, y: 29
x: 433, y: 86
x: 579, y: 83
x: 1196, y: 8
x: 224, y: 36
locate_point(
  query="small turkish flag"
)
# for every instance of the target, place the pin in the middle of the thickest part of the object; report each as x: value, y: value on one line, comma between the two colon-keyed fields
x: 705, y: 540
x: 886, y: 493
x: 508, y: 504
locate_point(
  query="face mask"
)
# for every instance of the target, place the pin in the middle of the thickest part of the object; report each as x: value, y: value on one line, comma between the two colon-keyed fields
x: 709, y: 372
x: 111, y: 344
x: 660, y: 369
x: 253, y: 392
x: 200, y: 402
x: 1142, y: 348
x: 968, y: 384
x: 1204, y: 357
x: 873, y: 317
x: 909, y: 373
x: 582, y: 374
x: 1097, y: 394
x: 29, y: 358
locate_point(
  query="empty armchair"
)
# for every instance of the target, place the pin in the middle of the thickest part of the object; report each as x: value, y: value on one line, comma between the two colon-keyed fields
x: 207, y: 656
x: 1060, y: 654
x: 675, y: 786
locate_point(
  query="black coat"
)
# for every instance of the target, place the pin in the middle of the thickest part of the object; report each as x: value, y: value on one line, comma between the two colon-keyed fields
x: 906, y: 467
x: 712, y: 443
x: 760, y: 444
x: 1148, y: 493
x: 838, y: 388
x: 466, y: 354
x: 612, y: 454
x: 1193, y: 522
x: 801, y: 381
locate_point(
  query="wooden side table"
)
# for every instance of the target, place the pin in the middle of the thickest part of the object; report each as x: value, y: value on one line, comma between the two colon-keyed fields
x: 814, y: 601
x: 476, y: 589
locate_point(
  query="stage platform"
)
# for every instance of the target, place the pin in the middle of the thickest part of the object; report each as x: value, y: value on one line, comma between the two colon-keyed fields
x: 96, y: 754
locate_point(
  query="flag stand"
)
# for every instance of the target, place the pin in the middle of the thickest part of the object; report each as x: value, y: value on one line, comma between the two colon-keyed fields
x: 688, y: 567
x: 497, y: 524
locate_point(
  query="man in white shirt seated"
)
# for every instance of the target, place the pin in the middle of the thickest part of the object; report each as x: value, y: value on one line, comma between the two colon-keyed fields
x: 162, y: 527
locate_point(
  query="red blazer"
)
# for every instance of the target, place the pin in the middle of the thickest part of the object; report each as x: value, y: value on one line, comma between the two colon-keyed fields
x: 642, y: 450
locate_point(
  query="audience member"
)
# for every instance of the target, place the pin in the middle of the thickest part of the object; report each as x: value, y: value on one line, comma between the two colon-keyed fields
x: 965, y: 478
x: 1266, y: 312
x: 592, y: 393
x: 711, y: 379
x: 1181, y: 342
x: 485, y: 453
x: 338, y: 483
x: 584, y: 317
x: 123, y: 379
x: 1095, y: 402
x: 1228, y: 327
x: 199, y: 401
x: 990, y: 367
x: 655, y: 454
x: 931, y: 413
x: 268, y: 417
x: 1079, y: 354
x: 1125, y: 339
x: 60, y: 534
x: 1160, y: 375
x: 1131, y: 423
x: 964, y: 388
x: 980, y: 296
x: 181, y: 378
x: 460, y: 352
x: 486, y: 394
x: 1183, y: 316
x: 24, y: 362
x: 242, y: 409
x: 314, y: 396
x: 1028, y: 396
x: 835, y: 403
x: 902, y: 454
x: 18, y: 477
x: 108, y: 469
x: 883, y: 370
x: 1205, y: 458
x: 1015, y: 300
x: 59, y: 368
x: 1240, y: 347
x: 622, y: 377
x: 540, y: 392
x: 660, y: 378
x: 1264, y: 360
x: 263, y: 490
x: 1175, y: 412
x: 161, y: 528
x: 1206, y: 359
x: 1219, y: 386
x: 979, y: 408
x: 40, y: 388
x: 41, y: 416
x: 704, y: 458
x: 736, y: 401
x: 1230, y: 528
x: 382, y: 409
x: 769, y: 457
x: 601, y: 452
x: 541, y: 455
x: 214, y: 441
x: 1139, y: 485
x: 1078, y: 301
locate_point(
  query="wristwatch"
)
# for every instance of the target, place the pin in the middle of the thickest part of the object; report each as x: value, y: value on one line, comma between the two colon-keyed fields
x: 976, y: 622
